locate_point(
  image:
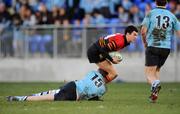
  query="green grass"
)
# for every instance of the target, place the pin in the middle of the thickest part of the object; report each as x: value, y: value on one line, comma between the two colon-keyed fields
x: 121, y: 98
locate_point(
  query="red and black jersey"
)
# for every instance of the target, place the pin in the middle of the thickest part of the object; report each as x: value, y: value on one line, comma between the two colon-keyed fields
x: 111, y: 43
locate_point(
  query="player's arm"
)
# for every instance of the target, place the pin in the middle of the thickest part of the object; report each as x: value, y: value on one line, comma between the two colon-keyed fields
x: 143, y: 34
x: 104, y: 49
x: 104, y: 52
x: 144, y: 28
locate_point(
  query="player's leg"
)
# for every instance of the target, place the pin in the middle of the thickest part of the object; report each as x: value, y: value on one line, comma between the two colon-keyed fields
x: 34, y: 97
x: 48, y: 97
x: 158, y: 73
x: 156, y: 86
x: 155, y: 59
x: 17, y: 98
x: 151, y: 65
x: 152, y: 76
x: 163, y: 54
x: 150, y: 72
x: 156, y: 82
x: 67, y: 92
x: 54, y: 91
x: 108, y: 67
x: 94, y: 56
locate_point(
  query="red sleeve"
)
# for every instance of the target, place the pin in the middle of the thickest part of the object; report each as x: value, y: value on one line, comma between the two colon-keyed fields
x: 113, y: 42
x: 116, y: 42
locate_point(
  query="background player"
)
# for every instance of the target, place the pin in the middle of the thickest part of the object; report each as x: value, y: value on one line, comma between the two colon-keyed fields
x: 156, y: 31
x: 91, y: 87
x: 98, y: 52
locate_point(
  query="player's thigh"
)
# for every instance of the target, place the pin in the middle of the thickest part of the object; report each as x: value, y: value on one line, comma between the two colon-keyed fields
x: 93, y: 55
x: 164, y: 53
x: 107, y: 66
x: 151, y: 57
x: 67, y: 92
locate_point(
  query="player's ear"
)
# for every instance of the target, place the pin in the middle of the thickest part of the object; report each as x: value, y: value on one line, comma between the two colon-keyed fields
x: 127, y: 34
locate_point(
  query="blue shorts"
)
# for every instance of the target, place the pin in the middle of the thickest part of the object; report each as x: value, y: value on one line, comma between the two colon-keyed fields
x: 67, y: 92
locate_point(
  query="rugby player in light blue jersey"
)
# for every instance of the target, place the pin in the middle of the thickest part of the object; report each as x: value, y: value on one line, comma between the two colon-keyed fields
x: 91, y: 87
x: 157, y: 31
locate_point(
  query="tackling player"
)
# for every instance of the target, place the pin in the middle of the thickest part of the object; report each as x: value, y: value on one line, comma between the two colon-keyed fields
x: 98, y: 52
x: 91, y: 87
x: 157, y: 29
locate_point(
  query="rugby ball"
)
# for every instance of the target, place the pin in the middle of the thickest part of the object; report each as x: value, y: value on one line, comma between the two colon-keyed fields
x: 116, y: 54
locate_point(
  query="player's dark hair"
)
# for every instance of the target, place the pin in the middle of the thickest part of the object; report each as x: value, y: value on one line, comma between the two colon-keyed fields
x: 130, y: 29
x: 161, y: 2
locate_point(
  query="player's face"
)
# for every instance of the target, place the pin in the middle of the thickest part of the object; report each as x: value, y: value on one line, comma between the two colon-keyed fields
x: 132, y: 36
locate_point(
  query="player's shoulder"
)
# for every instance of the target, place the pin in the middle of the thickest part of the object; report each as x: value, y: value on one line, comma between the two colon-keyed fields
x: 167, y: 12
x: 119, y: 34
x: 161, y: 10
x: 113, y: 36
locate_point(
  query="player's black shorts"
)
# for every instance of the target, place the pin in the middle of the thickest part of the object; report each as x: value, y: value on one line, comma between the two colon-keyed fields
x: 93, y: 54
x: 67, y: 92
x: 156, y: 56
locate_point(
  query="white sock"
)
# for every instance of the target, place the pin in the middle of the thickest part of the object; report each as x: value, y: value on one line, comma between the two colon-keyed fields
x: 21, y: 98
x: 47, y: 92
x: 155, y: 83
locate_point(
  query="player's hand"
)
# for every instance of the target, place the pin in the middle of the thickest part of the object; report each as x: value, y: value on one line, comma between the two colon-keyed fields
x: 115, y: 60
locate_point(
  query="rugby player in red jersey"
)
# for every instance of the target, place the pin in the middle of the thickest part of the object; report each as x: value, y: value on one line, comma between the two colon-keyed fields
x: 98, y: 52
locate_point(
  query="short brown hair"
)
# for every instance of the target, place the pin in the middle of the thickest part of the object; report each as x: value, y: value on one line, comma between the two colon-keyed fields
x: 161, y: 2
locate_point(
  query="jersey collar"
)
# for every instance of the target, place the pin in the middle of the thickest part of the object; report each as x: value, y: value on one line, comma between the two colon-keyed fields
x: 161, y: 7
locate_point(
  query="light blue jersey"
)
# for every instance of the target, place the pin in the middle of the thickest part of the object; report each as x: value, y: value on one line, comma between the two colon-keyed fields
x: 91, y: 86
x: 161, y: 24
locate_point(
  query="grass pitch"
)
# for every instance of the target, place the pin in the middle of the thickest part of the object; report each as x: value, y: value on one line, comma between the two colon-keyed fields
x: 121, y: 98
